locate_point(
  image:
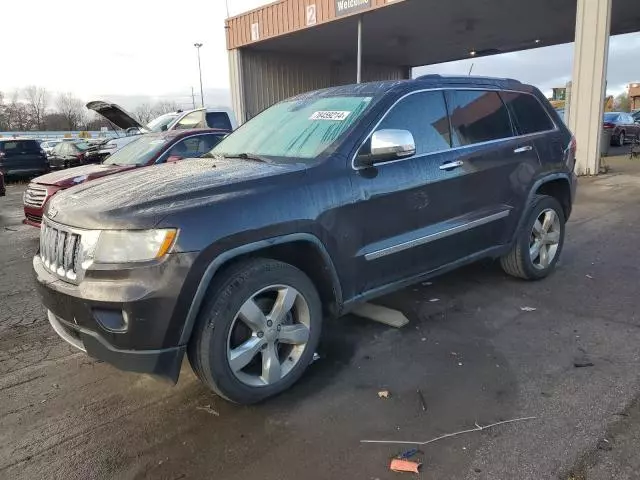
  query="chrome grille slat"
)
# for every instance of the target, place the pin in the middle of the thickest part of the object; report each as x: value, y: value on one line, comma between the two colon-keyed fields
x: 59, y: 250
x: 35, y: 196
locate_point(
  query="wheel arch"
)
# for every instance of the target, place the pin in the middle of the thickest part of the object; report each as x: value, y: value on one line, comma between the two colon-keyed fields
x: 302, y: 250
x: 555, y: 185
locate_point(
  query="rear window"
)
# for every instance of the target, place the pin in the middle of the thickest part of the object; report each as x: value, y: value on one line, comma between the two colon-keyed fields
x: 530, y: 116
x: 218, y: 120
x: 477, y: 116
x: 18, y: 146
x: 611, y: 117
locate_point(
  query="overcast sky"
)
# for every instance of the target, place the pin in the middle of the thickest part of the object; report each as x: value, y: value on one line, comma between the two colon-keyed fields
x: 132, y: 50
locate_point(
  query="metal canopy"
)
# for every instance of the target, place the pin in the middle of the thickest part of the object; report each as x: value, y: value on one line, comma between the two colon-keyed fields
x: 421, y: 32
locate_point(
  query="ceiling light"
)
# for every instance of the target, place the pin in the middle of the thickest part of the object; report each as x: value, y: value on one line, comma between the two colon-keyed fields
x: 473, y: 53
x: 537, y: 40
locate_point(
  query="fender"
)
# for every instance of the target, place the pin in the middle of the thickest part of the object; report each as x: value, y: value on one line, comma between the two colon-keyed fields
x: 532, y: 192
x: 221, y: 259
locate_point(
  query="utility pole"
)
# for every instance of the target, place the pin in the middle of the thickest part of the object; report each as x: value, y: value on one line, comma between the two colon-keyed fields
x: 198, y: 45
x: 193, y: 98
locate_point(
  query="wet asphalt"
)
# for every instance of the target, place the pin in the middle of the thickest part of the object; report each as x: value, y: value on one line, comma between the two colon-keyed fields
x: 471, y: 350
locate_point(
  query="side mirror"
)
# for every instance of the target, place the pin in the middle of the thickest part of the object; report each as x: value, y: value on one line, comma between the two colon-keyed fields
x: 174, y: 158
x: 163, y: 128
x: 386, y: 145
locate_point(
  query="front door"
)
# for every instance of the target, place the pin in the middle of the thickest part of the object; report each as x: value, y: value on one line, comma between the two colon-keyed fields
x: 395, y: 200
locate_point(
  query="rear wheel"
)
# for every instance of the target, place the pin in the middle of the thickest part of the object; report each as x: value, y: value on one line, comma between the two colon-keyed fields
x: 621, y: 139
x: 258, y: 331
x: 539, y: 243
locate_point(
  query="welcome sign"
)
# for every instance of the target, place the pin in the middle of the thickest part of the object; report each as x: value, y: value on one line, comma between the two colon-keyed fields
x: 344, y: 7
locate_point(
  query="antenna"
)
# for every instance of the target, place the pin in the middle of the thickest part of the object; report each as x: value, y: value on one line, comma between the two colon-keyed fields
x: 471, y: 69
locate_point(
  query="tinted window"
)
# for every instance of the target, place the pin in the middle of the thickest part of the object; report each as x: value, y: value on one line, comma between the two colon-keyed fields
x: 611, y: 117
x: 218, y: 120
x: 194, y: 147
x: 19, y: 146
x: 425, y: 116
x: 529, y: 114
x: 477, y: 116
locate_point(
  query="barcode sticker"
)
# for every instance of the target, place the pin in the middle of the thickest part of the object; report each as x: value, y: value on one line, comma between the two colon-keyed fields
x: 330, y: 115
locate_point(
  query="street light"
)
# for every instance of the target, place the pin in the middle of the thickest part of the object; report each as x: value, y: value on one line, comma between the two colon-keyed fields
x: 198, y: 45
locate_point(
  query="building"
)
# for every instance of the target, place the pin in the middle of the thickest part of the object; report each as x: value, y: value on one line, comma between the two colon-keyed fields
x: 291, y: 46
x: 634, y: 96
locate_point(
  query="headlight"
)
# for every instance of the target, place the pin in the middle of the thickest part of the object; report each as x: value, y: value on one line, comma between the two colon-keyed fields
x: 124, y: 246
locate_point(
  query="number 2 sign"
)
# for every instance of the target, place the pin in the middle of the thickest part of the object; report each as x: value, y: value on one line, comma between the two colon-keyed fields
x: 311, y: 14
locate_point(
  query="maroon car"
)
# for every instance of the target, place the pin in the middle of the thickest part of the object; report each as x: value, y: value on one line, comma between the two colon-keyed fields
x: 623, y: 127
x: 149, y: 149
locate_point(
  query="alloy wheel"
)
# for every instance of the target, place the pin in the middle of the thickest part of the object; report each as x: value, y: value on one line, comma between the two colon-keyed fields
x: 269, y: 335
x: 545, y: 238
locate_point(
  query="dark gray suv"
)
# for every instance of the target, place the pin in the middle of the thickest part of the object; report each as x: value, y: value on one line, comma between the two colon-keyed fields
x: 322, y: 201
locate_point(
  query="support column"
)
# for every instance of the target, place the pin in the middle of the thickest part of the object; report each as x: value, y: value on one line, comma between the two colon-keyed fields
x: 236, y: 82
x: 359, y: 61
x: 593, y: 26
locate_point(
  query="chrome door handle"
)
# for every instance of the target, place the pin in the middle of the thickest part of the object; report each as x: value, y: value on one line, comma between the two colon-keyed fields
x: 528, y: 148
x: 450, y: 165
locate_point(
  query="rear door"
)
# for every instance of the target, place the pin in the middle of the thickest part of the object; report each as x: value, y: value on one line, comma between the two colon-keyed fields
x: 493, y: 168
x: 532, y: 120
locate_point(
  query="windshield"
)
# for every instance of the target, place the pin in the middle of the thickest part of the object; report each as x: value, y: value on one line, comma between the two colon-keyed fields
x: 610, y: 117
x: 82, y: 146
x: 156, y: 124
x: 301, y: 129
x: 138, y: 152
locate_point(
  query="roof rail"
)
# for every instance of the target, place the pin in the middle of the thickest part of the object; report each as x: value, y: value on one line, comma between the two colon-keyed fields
x: 466, y: 78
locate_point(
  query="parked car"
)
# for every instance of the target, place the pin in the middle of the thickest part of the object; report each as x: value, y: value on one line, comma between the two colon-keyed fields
x: 48, y: 145
x: 74, y: 153
x: 636, y: 116
x: 22, y: 157
x: 149, y: 149
x: 3, y: 190
x: 218, y: 118
x: 623, y: 127
x: 320, y: 202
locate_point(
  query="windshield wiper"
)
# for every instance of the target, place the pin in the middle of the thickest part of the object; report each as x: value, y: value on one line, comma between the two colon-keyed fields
x: 243, y: 156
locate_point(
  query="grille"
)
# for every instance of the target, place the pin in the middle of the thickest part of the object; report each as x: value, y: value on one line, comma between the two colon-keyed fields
x: 59, y: 250
x: 35, y: 196
x: 33, y: 218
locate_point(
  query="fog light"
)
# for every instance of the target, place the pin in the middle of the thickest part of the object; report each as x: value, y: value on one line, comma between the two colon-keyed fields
x: 112, y: 320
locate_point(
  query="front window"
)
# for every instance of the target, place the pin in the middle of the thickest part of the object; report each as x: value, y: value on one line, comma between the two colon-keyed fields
x: 157, y: 124
x: 296, y: 129
x: 138, y: 152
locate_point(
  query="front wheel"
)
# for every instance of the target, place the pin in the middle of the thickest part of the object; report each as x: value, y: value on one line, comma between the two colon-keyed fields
x: 621, y: 139
x: 538, y: 244
x: 257, y: 332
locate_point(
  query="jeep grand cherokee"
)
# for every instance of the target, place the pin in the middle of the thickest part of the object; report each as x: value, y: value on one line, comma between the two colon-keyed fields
x: 322, y: 201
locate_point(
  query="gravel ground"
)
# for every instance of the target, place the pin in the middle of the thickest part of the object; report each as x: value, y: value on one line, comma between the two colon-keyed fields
x: 474, y: 354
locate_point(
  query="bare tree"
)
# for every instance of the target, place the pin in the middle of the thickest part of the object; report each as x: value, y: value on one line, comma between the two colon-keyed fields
x: 72, y: 109
x: 160, y: 108
x: 144, y: 113
x: 17, y: 114
x: 37, y: 101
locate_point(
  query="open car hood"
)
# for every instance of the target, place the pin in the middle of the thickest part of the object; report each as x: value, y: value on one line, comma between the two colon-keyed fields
x: 115, y: 114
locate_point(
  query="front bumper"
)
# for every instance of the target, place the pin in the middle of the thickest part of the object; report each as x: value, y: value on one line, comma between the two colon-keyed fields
x: 145, y: 297
x: 164, y: 363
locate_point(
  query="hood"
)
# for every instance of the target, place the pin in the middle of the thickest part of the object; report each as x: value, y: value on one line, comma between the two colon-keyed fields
x: 74, y: 176
x: 115, y: 114
x: 142, y: 198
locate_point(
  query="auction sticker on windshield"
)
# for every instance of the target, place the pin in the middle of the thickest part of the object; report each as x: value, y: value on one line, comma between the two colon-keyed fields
x: 330, y: 115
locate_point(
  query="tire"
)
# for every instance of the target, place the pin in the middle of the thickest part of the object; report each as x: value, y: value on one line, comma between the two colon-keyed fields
x: 223, y: 330
x: 621, y: 139
x: 519, y: 262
